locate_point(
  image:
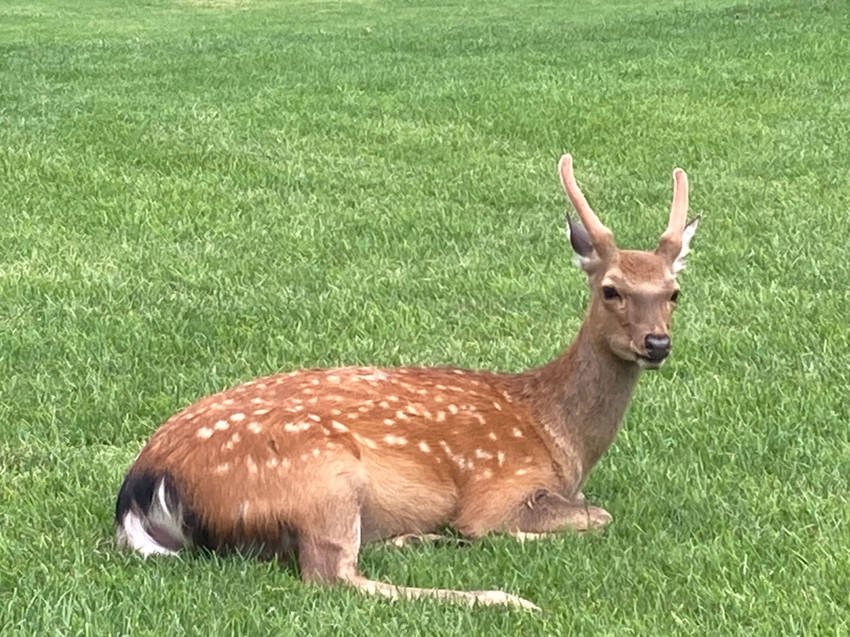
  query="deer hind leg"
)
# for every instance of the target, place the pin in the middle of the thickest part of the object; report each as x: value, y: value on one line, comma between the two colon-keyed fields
x: 327, y: 552
x: 544, y: 512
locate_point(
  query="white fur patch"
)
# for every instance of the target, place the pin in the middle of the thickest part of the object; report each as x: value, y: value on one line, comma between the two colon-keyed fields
x: 687, y: 235
x: 132, y: 533
x: 133, y: 530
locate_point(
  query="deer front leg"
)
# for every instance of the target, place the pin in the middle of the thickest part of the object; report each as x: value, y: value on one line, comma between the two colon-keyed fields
x: 545, y: 512
x: 418, y: 539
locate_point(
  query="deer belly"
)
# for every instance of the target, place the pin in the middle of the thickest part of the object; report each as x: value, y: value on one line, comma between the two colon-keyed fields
x: 404, y: 496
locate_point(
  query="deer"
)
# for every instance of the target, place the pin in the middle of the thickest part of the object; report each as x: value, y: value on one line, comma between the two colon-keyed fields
x: 312, y: 464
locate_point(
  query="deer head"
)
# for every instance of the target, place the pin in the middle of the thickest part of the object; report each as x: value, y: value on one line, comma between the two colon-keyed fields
x: 633, y: 293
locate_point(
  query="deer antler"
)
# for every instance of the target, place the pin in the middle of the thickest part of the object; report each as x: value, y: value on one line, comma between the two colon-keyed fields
x: 670, y: 243
x: 601, y: 237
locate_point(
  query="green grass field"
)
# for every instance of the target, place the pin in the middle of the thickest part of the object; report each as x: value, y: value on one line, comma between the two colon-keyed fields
x: 195, y: 193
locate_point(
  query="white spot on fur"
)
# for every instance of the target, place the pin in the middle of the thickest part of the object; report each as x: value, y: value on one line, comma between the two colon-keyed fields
x: 516, y: 433
x: 335, y: 412
x: 339, y: 426
x: 384, y: 404
x: 521, y: 472
x: 441, y: 416
x: 487, y: 473
x: 297, y: 427
x: 368, y: 442
x: 222, y: 468
x: 483, y: 455
x: 251, y: 465
x: 261, y: 412
x: 221, y: 425
x: 234, y: 440
x: 333, y: 378
x: 375, y: 375
x: 315, y: 452
x: 314, y: 417
x: 389, y: 421
x: 452, y: 408
x: 401, y: 415
x: 492, y: 436
x: 501, y: 457
x: 395, y: 441
x: 204, y: 433
x: 272, y: 462
x: 424, y: 447
x: 497, y: 405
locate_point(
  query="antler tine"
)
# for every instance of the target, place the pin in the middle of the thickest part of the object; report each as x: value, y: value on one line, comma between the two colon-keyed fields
x: 600, y: 235
x: 671, y: 241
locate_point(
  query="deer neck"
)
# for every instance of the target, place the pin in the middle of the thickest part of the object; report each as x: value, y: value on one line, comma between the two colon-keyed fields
x: 578, y: 401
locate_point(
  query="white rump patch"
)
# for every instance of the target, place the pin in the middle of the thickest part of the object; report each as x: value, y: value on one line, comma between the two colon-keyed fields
x: 133, y: 531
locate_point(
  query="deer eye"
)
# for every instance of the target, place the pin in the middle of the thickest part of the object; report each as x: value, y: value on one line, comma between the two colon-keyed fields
x: 610, y: 292
x: 674, y: 297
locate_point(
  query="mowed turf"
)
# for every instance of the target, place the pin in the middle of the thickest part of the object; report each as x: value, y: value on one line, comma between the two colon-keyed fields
x: 196, y: 193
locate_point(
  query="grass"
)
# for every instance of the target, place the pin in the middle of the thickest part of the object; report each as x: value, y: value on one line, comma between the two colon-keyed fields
x: 195, y: 193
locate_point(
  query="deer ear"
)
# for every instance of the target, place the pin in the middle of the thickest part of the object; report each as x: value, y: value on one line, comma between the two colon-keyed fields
x: 585, y: 254
x: 687, y: 235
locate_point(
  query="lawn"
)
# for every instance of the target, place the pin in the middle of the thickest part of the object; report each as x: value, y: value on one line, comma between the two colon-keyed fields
x: 195, y: 193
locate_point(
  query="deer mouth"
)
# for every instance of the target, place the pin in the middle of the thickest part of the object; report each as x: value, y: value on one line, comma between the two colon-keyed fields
x: 647, y: 362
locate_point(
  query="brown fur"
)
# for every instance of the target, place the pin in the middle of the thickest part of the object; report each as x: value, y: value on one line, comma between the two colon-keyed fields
x: 323, y: 460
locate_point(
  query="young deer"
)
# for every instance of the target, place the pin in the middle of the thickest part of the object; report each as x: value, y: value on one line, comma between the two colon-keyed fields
x: 319, y: 462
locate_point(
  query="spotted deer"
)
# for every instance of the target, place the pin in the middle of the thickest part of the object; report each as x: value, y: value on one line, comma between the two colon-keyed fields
x: 317, y: 462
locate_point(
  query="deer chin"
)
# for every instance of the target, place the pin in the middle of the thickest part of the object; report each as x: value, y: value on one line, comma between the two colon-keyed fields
x: 645, y: 362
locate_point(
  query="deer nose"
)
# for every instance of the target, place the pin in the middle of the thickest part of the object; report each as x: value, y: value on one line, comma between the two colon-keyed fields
x: 657, y: 346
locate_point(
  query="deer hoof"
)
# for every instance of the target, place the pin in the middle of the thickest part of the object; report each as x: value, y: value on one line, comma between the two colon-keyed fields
x: 597, y: 518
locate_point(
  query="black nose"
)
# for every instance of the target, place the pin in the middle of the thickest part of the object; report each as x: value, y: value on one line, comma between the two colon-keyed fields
x: 657, y: 346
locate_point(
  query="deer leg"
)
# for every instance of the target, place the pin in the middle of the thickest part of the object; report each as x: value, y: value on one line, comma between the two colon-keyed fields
x: 327, y: 552
x: 545, y: 512
x: 415, y: 539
